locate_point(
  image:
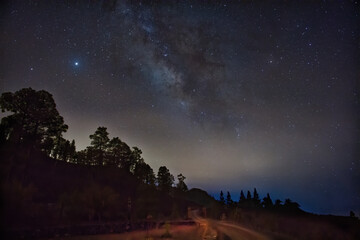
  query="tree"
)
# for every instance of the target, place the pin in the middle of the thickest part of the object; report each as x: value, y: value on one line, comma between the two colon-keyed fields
x: 242, y: 200
x: 72, y: 151
x: 99, y: 142
x: 48, y: 145
x: 35, y: 118
x: 229, y: 201
x: 291, y: 206
x: 142, y: 170
x: 100, y: 138
x: 222, y: 199
x: 248, y: 196
x: 242, y: 197
x: 136, y: 160
x: 267, y: 202
x: 164, y: 179
x: 80, y: 157
x: 65, y: 150
x: 90, y: 156
x: 119, y: 154
x: 57, y: 147
x: 278, y: 204
x: 181, y: 185
x: 352, y: 214
x: 256, y: 199
x: 149, y: 176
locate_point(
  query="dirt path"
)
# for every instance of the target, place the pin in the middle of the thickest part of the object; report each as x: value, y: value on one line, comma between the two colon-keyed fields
x: 221, y: 230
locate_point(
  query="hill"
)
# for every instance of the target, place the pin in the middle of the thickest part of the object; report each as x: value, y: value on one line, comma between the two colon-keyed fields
x: 43, y: 191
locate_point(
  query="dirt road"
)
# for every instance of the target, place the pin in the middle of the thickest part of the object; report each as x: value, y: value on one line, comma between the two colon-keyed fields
x: 205, y: 229
x: 221, y: 230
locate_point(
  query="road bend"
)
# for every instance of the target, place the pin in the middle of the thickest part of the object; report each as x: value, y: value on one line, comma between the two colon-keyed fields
x: 222, y: 230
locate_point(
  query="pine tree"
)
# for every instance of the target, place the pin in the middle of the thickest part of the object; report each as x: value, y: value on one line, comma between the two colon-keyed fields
x: 352, y: 214
x: 289, y: 205
x: 72, y: 151
x: 35, y: 119
x: 242, y: 196
x: 119, y: 154
x: 99, y: 141
x: 267, y: 202
x: 256, y: 198
x: 165, y: 179
x: 229, y: 201
x: 222, y: 199
x: 278, y: 204
x: 248, y: 197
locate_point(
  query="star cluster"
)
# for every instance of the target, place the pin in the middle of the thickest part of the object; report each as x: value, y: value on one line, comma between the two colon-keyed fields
x: 232, y: 94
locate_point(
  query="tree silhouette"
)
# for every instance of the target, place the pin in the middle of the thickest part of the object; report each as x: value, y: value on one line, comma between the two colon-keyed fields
x: 48, y: 146
x: 352, y: 214
x: 256, y: 199
x: 278, y: 204
x: 90, y: 156
x: 80, y: 157
x: 136, y: 159
x: 242, y: 200
x: 248, y: 196
x: 222, y: 199
x: 149, y: 176
x: 119, y: 154
x: 267, y: 202
x: 229, y: 201
x: 164, y: 179
x: 99, y: 141
x: 181, y: 183
x: 114, y: 152
x: 72, y: 151
x: 35, y: 118
x: 242, y: 196
x: 64, y: 150
x: 5, y: 129
x: 289, y: 205
x: 56, y: 151
x: 142, y: 170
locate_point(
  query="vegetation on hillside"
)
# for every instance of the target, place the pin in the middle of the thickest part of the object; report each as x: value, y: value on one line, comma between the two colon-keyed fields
x: 45, y: 182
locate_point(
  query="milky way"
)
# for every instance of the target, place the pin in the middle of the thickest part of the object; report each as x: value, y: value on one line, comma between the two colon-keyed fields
x: 232, y: 94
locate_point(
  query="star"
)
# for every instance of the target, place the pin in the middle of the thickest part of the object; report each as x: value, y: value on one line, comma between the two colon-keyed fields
x: 76, y: 63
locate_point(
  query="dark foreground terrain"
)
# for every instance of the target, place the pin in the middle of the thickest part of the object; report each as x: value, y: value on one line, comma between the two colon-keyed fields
x: 35, y: 206
x: 203, y: 229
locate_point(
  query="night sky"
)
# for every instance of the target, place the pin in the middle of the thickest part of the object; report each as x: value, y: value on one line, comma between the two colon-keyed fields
x: 234, y: 95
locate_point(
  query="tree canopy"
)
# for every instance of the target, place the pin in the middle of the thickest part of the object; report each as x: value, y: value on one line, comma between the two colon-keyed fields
x: 34, y: 118
x: 165, y: 179
x: 99, y: 141
x: 36, y: 123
